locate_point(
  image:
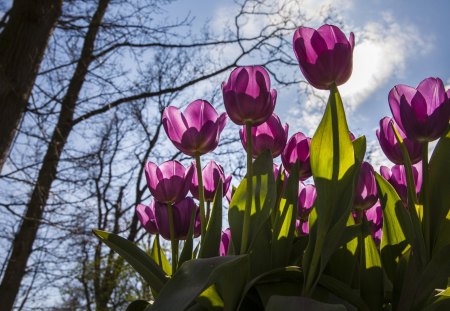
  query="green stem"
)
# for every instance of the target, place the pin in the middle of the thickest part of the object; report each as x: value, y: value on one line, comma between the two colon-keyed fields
x: 173, y: 241
x: 208, y: 210
x: 248, y: 202
x: 424, y: 193
x: 158, y: 244
x: 201, y: 194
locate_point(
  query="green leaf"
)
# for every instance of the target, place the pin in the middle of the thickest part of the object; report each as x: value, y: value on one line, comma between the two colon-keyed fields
x: 136, y: 257
x: 439, y: 194
x: 295, y: 303
x: 264, y: 196
x: 211, y: 241
x: 210, y: 299
x: 138, y: 305
x: 195, y: 276
x: 397, y: 227
x: 186, y: 253
x: 333, y: 167
x: 157, y: 254
x: 284, y: 227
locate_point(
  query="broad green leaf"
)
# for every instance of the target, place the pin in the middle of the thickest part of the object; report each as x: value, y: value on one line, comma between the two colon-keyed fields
x: 333, y: 167
x: 136, y: 257
x: 264, y: 196
x: 284, y: 227
x: 186, y: 253
x: 295, y: 303
x: 195, y: 276
x: 210, y: 299
x: 159, y: 256
x: 210, y: 244
x: 439, y: 194
x: 138, y: 305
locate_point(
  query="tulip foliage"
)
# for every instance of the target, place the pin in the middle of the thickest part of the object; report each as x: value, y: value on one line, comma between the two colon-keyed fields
x: 351, y: 239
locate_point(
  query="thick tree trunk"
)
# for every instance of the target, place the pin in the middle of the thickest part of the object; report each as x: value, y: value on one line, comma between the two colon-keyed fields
x: 22, y: 45
x: 23, y: 242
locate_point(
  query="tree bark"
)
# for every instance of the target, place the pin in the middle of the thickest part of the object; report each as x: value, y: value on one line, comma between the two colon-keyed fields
x: 22, y: 45
x: 23, y: 241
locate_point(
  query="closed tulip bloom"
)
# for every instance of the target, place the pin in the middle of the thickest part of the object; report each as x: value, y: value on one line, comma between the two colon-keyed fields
x: 423, y: 113
x: 270, y: 135
x: 297, y: 149
x: 366, y: 193
x: 302, y: 227
x: 146, y: 215
x: 396, y: 176
x: 374, y: 216
x: 306, y: 198
x: 169, y: 182
x: 247, y: 95
x: 225, y: 242
x: 325, y: 55
x: 197, y: 130
x: 182, y: 212
x: 391, y: 147
x: 212, y: 173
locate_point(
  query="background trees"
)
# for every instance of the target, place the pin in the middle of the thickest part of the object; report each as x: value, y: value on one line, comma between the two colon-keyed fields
x: 94, y: 119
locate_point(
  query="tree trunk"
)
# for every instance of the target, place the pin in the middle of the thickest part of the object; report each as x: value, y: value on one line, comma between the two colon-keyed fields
x: 22, y: 45
x: 23, y: 241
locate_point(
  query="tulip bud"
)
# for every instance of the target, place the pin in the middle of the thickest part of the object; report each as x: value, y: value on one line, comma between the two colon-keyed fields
x: 197, y: 130
x: 297, y: 149
x: 306, y: 198
x: 366, y: 193
x: 396, y: 176
x: 374, y: 216
x: 247, y: 96
x: 325, y: 55
x: 302, y: 227
x: 422, y: 113
x: 146, y: 215
x: 391, y: 147
x: 270, y: 135
x: 211, y: 173
x: 225, y: 242
x: 182, y: 212
x: 169, y: 182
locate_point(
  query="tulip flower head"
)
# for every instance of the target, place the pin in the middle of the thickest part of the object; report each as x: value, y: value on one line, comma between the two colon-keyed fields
x: 302, y: 227
x: 182, y: 212
x: 422, y: 113
x: 391, y: 147
x: 325, y: 55
x: 366, y: 193
x: 211, y: 173
x: 374, y: 216
x: 225, y: 242
x: 169, y: 182
x: 306, y: 198
x: 197, y: 130
x: 247, y: 95
x: 270, y: 135
x: 396, y: 176
x: 297, y: 149
x: 146, y: 215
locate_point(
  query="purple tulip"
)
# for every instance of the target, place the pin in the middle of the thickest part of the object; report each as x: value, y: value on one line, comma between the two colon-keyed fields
x: 182, y: 212
x: 146, y: 215
x: 302, y: 227
x: 325, y: 55
x: 197, y: 130
x: 225, y: 242
x: 366, y: 193
x: 396, y: 176
x: 391, y: 147
x: 247, y: 95
x: 269, y: 135
x: 374, y: 216
x: 169, y: 182
x: 306, y: 198
x: 211, y: 173
x: 423, y: 112
x: 297, y: 149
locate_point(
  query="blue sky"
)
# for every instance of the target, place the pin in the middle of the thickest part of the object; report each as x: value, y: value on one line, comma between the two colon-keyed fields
x: 397, y: 42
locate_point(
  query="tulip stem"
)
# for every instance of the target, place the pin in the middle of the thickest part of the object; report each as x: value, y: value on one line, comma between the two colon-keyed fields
x: 201, y: 194
x: 425, y: 198
x: 208, y: 210
x: 249, y: 198
x: 158, y: 245
x: 173, y: 241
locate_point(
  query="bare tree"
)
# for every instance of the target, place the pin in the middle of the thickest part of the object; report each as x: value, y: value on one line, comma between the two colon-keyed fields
x: 25, y: 30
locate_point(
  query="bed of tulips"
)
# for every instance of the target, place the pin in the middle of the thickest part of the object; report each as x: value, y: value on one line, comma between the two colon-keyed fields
x: 351, y: 240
